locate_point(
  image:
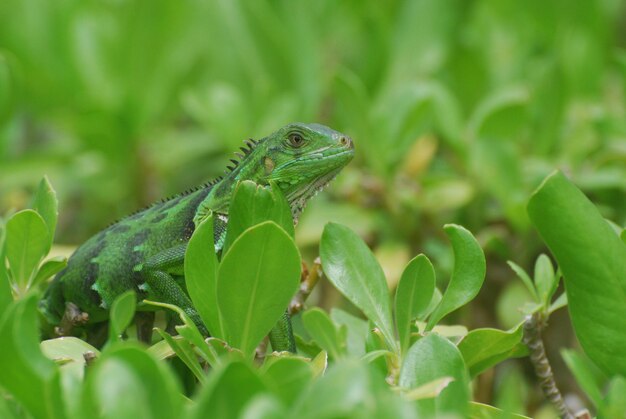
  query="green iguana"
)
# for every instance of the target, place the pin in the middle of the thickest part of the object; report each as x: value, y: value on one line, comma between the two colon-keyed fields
x: 145, y: 251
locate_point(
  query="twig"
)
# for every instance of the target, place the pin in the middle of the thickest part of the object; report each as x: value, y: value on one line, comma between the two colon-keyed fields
x: 309, y: 279
x: 533, y: 325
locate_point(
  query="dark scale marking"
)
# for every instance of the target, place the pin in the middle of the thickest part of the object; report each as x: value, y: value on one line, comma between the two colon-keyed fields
x: 159, y: 217
x: 139, y: 238
x: 118, y: 228
x: 92, y: 272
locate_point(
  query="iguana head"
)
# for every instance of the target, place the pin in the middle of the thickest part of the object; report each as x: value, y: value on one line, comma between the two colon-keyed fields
x: 299, y: 158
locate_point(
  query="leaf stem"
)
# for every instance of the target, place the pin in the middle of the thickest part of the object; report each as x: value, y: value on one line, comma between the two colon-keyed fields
x: 533, y: 325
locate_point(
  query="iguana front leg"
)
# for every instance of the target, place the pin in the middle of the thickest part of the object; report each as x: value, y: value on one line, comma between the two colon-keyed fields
x: 157, y: 273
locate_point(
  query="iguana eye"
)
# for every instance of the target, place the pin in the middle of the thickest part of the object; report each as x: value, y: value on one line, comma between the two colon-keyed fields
x: 296, y: 140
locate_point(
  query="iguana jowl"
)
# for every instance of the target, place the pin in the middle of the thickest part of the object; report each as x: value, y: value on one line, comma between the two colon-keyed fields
x: 145, y: 251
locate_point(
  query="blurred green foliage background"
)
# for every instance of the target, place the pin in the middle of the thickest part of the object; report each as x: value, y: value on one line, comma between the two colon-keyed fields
x: 458, y: 109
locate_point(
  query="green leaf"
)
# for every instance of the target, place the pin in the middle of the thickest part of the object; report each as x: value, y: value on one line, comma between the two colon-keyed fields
x: 480, y: 345
x: 69, y: 352
x: 414, y: 292
x: 185, y: 352
x: 189, y: 331
x: 429, y: 359
x: 256, y: 279
x: 560, y: 302
x: 546, y: 280
x: 352, y: 268
x: 484, y: 411
x: 429, y: 390
x: 46, y: 204
x: 253, y: 204
x: 6, y: 295
x: 324, y: 332
x: 357, y: 331
x: 201, y: 276
x: 287, y: 377
x: 27, y: 374
x: 27, y: 243
x: 593, y: 261
x: 521, y: 274
x: 350, y: 389
x: 614, y: 404
x: 49, y: 268
x: 67, y: 347
x: 468, y: 274
x: 121, y: 314
x: 587, y: 375
x: 125, y: 370
x: 227, y: 392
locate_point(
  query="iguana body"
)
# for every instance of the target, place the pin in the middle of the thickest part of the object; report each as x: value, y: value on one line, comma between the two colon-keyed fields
x: 145, y: 251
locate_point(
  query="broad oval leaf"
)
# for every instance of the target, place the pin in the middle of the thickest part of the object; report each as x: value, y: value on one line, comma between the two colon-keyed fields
x: 593, y: 261
x: 350, y: 389
x: 227, y: 392
x: 27, y: 242
x: 431, y: 358
x: 481, y: 345
x: 324, y: 332
x: 201, y: 275
x: 468, y: 274
x: 125, y: 370
x: 256, y: 279
x: 414, y: 292
x: 287, y: 377
x: 29, y: 376
x: 352, y: 268
x: 121, y: 314
x: 253, y: 204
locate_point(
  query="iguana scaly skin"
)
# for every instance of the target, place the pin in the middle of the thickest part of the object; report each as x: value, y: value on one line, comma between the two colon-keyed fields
x: 145, y: 251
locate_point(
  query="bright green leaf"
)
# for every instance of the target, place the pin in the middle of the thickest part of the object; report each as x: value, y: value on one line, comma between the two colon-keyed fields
x: 545, y: 279
x: 46, y: 204
x: 125, y: 370
x: 27, y: 374
x: 587, y: 375
x: 429, y: 359
x: 414, y: 293
x: 614, y: 404
x: 185, y: 352
x: 350, y: 389
x: 121, y: 314
x: 256, y: 279
x: 48, y: 269
x: 593, y: 260
x: 201, y: 275
x: 350, y: 265
x: 27, y: 242
x: 253, y: 204
x: 468, y: 274
x: 521, y: 274
x: 287, y: 377
x: 323, y: 331
x: 482, y: 344
x: 429, y: 390
x: 484, y: 411
x: 6, y: 295
x: 357, y: 330
x: 227, y: 392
